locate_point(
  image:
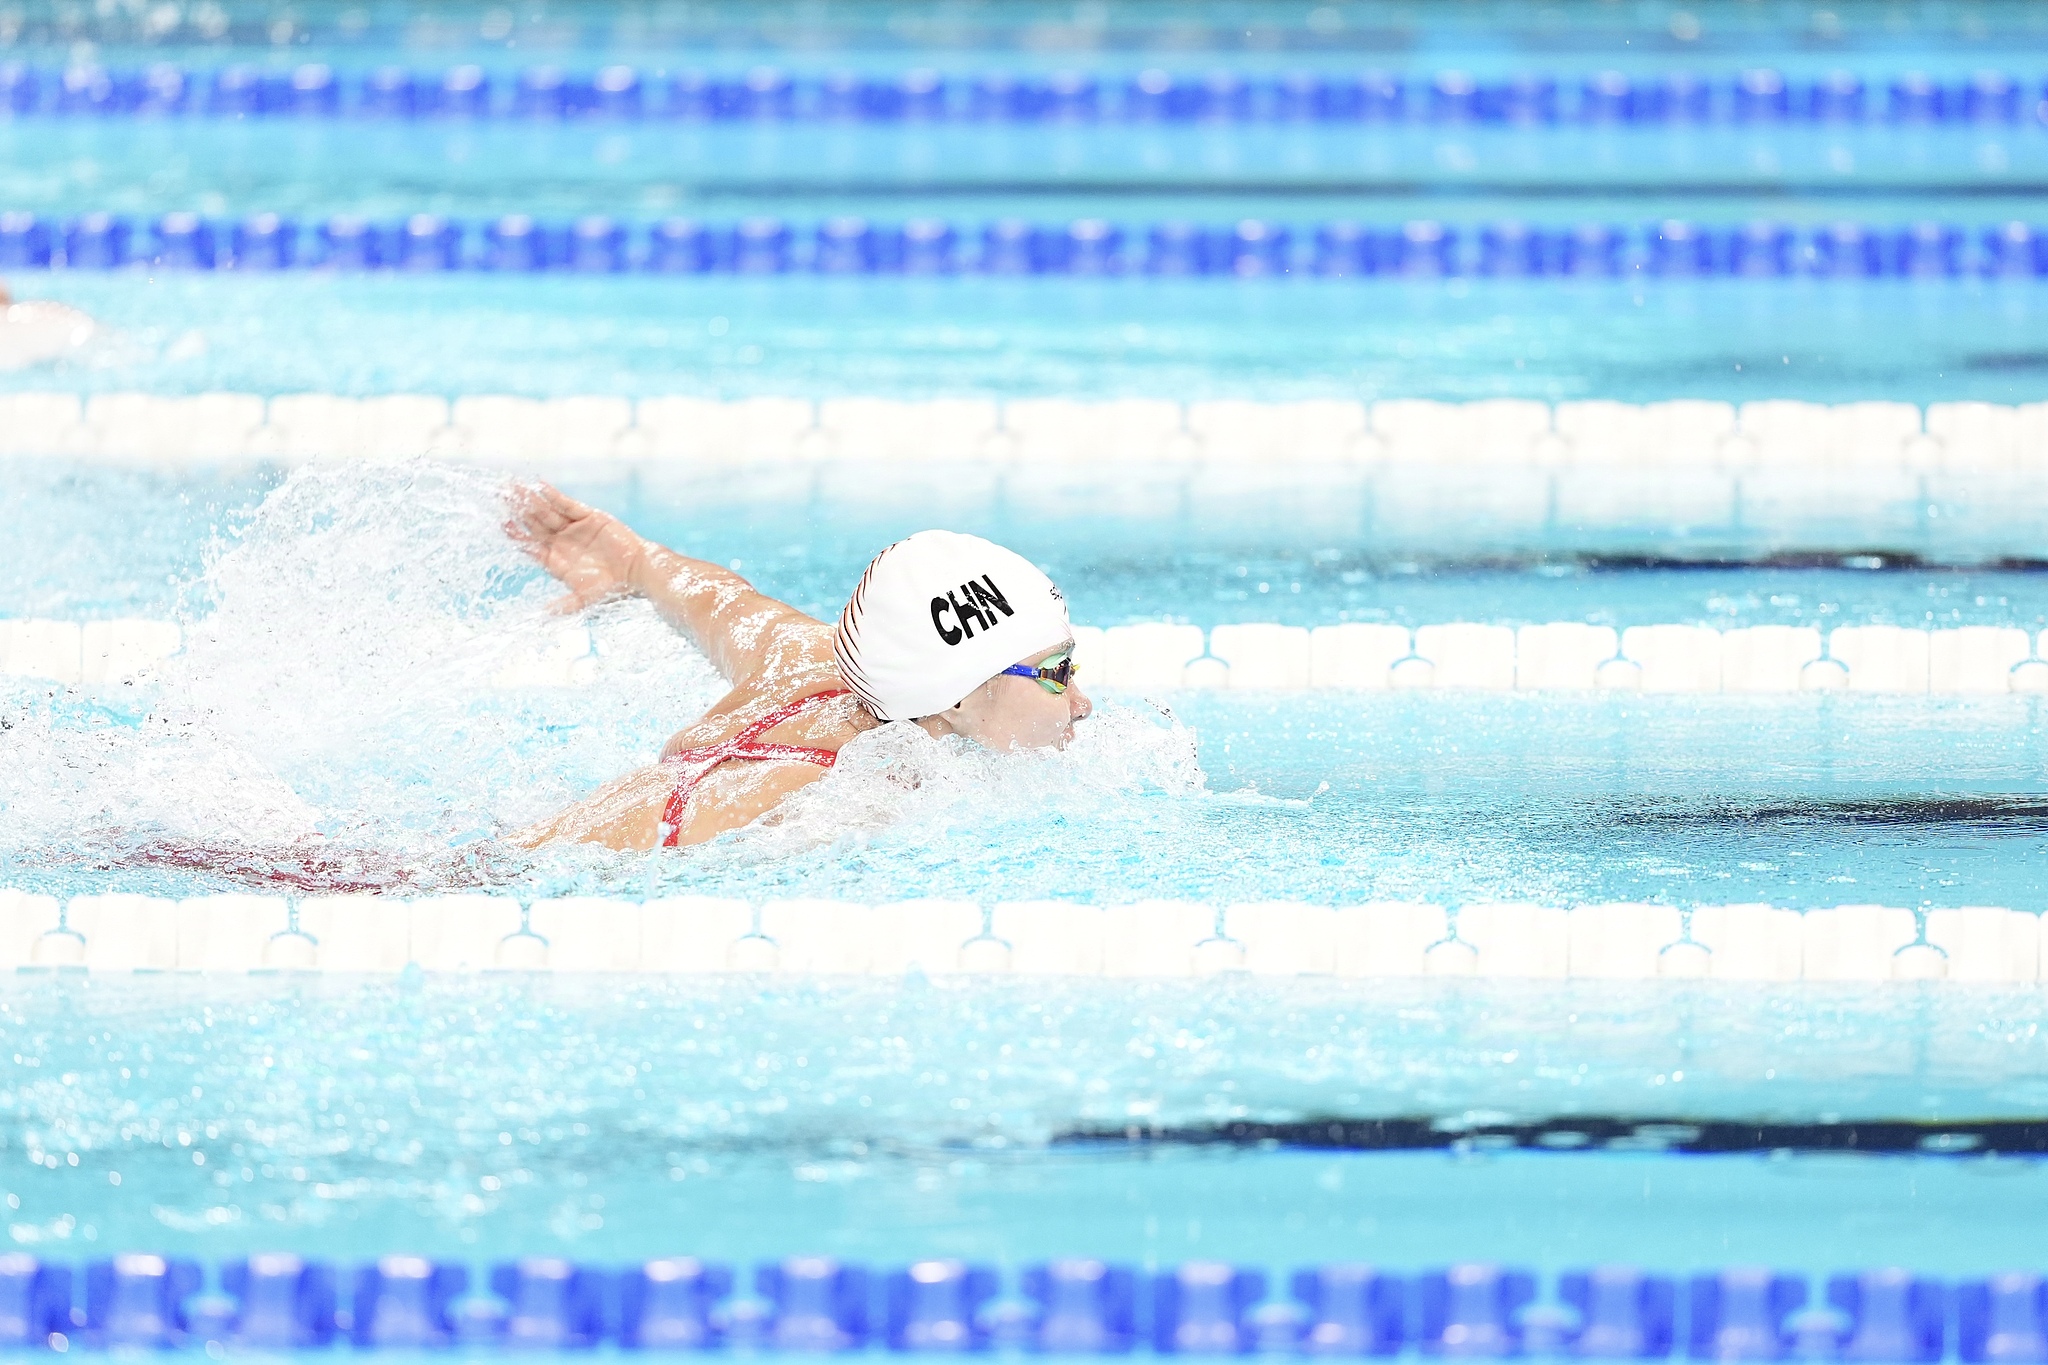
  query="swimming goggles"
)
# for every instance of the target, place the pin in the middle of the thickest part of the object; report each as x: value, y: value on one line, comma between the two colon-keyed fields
x: 1053, y: 675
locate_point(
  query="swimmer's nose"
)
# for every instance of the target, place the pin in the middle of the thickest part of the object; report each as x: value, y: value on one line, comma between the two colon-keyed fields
x: 1078, y: 705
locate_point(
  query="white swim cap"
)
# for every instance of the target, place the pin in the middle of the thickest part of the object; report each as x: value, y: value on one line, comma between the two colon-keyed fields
x: 938, y: 615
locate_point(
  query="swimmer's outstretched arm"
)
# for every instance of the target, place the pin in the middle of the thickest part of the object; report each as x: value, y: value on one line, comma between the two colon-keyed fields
x: 748, y: 635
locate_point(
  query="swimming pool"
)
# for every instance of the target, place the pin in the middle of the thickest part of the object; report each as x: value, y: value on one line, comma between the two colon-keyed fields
x: 1571, y: 865
x: 1319, y: 796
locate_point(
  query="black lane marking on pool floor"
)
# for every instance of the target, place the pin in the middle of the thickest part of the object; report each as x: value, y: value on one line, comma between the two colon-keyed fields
x: 1871, y: 560
x: 1407, y: 565
x: 1605, y: 1133
x: 2023, y: 814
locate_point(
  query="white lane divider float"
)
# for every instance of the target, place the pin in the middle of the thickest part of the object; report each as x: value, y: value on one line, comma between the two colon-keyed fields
x: 1769, y: 437
x: 1562, y: 656
x: 694, y: 935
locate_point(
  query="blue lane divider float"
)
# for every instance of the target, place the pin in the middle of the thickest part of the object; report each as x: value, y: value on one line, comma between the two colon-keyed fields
x: 1752, y: 97
x: 815, y: 1304
x: 520, y: 243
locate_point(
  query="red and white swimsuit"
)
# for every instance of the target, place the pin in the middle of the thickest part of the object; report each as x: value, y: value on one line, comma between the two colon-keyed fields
x: 698, y: 762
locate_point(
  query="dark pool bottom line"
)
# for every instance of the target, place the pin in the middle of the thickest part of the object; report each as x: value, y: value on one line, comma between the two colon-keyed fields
x: 1603, y: 1132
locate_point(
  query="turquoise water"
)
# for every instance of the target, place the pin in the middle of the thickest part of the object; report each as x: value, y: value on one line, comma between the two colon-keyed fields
x: 797, y: 536
x: 1824, y: 341
x: 970, y: 173
x: 886, y: 1121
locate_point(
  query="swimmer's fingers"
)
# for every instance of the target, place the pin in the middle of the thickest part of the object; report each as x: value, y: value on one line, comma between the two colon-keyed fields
x: 527, y: 522
x: 591, y: 552
x: 516, y: 529
x: 564, y: 504
x: 540, y: 510
x: 532, y: 518
x: 557, y: 508
x: 539, y: 529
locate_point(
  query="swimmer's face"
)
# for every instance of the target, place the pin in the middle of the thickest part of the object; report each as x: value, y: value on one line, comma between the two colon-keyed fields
x: 1009, y: 712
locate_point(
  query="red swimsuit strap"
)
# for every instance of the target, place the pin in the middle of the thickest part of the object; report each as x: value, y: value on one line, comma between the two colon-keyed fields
x: 787, y: 711
x: 744, y: 745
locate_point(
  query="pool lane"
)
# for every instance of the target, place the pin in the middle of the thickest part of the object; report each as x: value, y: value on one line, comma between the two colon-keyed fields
x: 1184, y: 339
x: 315, y: 168
x: 488, y: 1117
x: 1314, y: 557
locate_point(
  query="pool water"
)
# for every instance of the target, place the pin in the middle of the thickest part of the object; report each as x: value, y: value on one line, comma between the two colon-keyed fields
x: 1291, y: 171
x: 343, y: 625
x: 1738, y: 340
x: 1941, y: 32
x: 885, y: 1121
x: 799, y: 533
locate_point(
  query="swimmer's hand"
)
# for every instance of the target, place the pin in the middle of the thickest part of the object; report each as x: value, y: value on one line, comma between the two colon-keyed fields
x: 748, y: 635
x: 592, y: 552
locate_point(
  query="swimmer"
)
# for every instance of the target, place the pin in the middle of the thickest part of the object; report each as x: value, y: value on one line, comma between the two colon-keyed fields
x: 944, y: 631
x: 38, y: 330
x: 947, y: 632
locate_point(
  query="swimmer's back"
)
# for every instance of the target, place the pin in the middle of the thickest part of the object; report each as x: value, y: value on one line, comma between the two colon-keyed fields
x: 724, y: 795
x: 799, y: 666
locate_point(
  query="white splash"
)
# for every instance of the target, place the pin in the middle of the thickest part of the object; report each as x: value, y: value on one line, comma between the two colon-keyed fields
x: 337, y: 680
x: 359, y: 622
x: 67, y: 777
